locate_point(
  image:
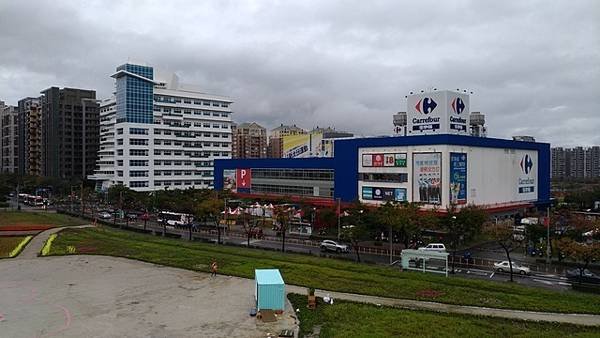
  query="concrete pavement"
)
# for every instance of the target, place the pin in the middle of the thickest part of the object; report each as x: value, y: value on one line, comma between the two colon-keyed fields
x: 35, y: 245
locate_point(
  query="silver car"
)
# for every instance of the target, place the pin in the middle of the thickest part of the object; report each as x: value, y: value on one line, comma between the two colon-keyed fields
x: 329, y: 245
x: 505, y: 267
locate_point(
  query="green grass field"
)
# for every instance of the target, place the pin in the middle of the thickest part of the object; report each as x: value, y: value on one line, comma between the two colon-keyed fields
x: 8, y: 218
x: 349, y: 319
x: 7, y: 244
x: 327, y: 274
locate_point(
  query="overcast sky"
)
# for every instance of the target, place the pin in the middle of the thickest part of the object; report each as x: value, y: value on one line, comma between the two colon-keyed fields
x: 534, y: 66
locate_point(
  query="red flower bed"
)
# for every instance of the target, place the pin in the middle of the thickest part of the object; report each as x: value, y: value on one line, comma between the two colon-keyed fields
x: 26, y: 227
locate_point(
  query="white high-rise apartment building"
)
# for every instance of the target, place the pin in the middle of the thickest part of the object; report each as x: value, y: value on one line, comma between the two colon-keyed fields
x: 157, y: 133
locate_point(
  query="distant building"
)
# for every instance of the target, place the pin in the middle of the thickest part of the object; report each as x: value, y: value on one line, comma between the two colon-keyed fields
x: 30, y: 136
x: 9, y: 136
x: 249, y: 140
x: 275, y: 147
x: 70, y: 132
x: 578, y: 162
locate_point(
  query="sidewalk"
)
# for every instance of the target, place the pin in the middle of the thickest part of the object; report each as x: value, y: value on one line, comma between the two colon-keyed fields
x: 35, y: 245
x: 578, y: 319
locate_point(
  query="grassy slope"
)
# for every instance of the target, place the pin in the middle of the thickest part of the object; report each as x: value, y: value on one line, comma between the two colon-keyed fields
x: 7, y: 244
x: 328, y: 274
x: 348, y: 319
x: 17, y: 218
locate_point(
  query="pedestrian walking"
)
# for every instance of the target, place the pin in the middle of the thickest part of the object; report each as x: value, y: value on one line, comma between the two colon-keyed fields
x: 213, y: 268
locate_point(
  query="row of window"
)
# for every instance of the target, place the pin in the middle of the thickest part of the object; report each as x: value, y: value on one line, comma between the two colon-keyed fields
x: 175, y: 99
x: 290, y: 190
x: 294, y: 174
x: 134, y: 163
x: 189, y: 133
x: 179, y: 111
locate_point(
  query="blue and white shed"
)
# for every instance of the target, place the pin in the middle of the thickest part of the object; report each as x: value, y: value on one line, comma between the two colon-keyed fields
x: 269, y: 290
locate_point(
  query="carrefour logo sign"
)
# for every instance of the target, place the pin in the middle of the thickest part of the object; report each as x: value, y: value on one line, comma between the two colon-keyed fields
x: 526, y: 164
x: 426, y: 105
x: 458, y: 106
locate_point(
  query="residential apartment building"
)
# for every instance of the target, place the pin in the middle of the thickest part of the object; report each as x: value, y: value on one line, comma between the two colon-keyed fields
x: 30, y: 140
x: 249, y: 141
x: 578, y: 162
x: 157, y: 133
x: 9, y: 136
x: 70, y: 132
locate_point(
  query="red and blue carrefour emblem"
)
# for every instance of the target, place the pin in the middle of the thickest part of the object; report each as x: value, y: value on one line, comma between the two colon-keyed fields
x: 426, y: 105
x: 458, y: 106
x: 526, y: 164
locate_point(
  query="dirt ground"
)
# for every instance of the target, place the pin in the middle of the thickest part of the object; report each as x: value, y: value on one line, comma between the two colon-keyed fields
x: 97, y: 296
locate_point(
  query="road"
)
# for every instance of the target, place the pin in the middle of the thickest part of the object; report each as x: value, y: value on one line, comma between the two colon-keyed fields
x: 552, y: 279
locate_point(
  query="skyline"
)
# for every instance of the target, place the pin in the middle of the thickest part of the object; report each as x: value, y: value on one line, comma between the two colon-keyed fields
x: 332, y: 64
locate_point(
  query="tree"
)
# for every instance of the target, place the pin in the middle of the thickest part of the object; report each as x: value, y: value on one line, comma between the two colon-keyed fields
x: 282, y: 216
x: 503, y: 235
x: 210, y: 208
x: 583, y: 254
x: 396, y: 217
x: 463, y: 225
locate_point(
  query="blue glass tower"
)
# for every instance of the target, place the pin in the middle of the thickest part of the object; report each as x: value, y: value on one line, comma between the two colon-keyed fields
x: 135, y: 86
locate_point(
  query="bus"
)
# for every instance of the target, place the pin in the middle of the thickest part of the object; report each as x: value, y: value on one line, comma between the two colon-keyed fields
x: 174, y: 218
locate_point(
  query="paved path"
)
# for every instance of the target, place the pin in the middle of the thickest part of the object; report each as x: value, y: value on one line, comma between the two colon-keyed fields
x: 579, y: 319
x: 35, y: 245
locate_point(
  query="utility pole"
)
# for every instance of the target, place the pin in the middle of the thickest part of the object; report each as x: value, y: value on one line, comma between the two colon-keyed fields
x: 339, y: 212
x: 81, y: 198
x: 548, y: 235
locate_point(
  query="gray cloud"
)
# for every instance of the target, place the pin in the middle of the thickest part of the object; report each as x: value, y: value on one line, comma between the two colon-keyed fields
x: 532, y: 65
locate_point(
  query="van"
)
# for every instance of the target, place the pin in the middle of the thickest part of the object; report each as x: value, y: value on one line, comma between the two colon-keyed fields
x: 439, y: 247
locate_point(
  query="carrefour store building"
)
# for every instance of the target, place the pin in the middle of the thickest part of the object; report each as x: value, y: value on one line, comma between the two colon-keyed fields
x: 438, y: 164
x: 434, y: 170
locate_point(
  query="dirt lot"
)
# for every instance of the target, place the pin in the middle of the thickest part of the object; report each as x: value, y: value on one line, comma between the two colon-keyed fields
x: 96, y: 296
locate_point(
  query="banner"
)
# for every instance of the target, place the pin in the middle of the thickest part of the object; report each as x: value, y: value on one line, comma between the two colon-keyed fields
x: 243, y: 178
x: 229, y: 180
x: 384, y: 160
x: 302, y: 145
x: 427, y: 178
x: 458, y: 178
x: 384, y: 194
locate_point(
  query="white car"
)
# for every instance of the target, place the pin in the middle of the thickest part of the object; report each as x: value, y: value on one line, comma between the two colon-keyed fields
x: 104, y: 215
x: 329, y: 245
x: 505, y: 267
x: 437, y: 247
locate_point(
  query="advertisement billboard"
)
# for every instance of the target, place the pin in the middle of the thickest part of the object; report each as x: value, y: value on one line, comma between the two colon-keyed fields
x: 229, y: 180
x: 438, y: 112
x: 243, y: 178
x: 427, y: 178
x: 302, y: 145
x: 397, y: 160
x: 526, y: 182
x: 458, y: 178
x: 383, y: 194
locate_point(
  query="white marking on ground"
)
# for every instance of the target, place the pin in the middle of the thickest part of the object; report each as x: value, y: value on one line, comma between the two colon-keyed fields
x: 542, y: 281
x: 563, y: 283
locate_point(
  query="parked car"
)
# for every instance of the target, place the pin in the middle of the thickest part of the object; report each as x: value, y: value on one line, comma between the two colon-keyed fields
x: 587, y: 276
x: 132, y: 216
x: 329, y: 245
x: 505, y: 267
x: 438, y: 247
x: 104, y: 215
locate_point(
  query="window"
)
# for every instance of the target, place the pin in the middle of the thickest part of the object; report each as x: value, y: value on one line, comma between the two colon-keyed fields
x: 157, y: 142
x: 120, y: 173
x: 157, y: 162
x: 138, y: 142
x: 120, y: 163
x: 206, y: 103
x: 138, y: 152
x: 120, y: 141
x: 206, y: 125
x: 119, y: 131
x: 187, y: 101
x: 156, y: 152
x: 157, y: 131
x: 138, y: 163
x: 138, y: 173
x: 138, y: 184
x: 138, y: 131
x: 120, y: 152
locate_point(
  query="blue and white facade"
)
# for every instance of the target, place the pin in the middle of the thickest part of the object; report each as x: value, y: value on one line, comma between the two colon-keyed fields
x: 434, y: 170
x: 157, y: 133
